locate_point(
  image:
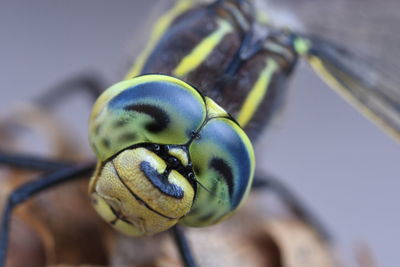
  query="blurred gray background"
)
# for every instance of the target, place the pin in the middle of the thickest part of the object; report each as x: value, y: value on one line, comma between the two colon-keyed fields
x: 343, y: 167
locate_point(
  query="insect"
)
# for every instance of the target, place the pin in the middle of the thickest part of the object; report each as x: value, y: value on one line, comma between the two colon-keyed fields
x: 275, y: 50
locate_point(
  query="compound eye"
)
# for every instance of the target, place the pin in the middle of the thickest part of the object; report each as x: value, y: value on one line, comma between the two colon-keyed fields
x: 151, y: 108
x: 223, y: 162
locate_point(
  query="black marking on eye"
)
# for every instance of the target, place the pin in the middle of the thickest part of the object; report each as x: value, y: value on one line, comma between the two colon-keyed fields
x: 157, y: 114
x: 160, y: 181
x: 126, y: 137
x: 106, y: 143
x: 119, y: 123
x: 224, y: 169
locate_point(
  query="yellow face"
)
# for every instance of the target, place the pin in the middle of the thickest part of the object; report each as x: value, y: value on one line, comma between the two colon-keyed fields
x: 137, y: 194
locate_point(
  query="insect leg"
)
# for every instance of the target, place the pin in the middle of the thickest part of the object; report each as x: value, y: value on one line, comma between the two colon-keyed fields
x: 32, y: 188
x: 183, y: 246
x: 31, y: 162
x: 292, y: 201
x: 89, y: 84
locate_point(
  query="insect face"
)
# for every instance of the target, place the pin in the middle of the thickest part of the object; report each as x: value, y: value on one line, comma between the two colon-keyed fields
x: 166, y: 154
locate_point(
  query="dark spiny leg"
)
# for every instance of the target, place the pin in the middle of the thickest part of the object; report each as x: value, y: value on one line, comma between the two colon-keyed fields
x: 83, y: 83
x: 183, y: 246
x: 219, y: 2
x: 86, y: 83
x: 292, y: 201
x: 32, y: 162
x: 30, y: 189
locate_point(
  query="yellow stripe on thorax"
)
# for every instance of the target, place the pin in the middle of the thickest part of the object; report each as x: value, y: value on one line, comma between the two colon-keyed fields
x: 159, y: 29
x: 257, y: 93
x: 203, y: 49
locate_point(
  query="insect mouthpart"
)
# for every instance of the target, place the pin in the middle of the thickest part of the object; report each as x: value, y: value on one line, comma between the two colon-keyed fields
x: 141, y: 192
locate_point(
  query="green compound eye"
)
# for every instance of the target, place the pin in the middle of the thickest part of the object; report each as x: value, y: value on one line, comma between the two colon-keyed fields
x: 223, y: 162
x: 151, y: 108
x: 166, y: 155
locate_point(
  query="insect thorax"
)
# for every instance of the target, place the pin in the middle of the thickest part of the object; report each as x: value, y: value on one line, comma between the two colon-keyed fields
x: 216, y: 49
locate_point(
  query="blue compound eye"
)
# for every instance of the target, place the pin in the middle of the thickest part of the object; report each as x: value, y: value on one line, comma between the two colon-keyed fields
x: 223, y: 162
x: 151, y: 108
